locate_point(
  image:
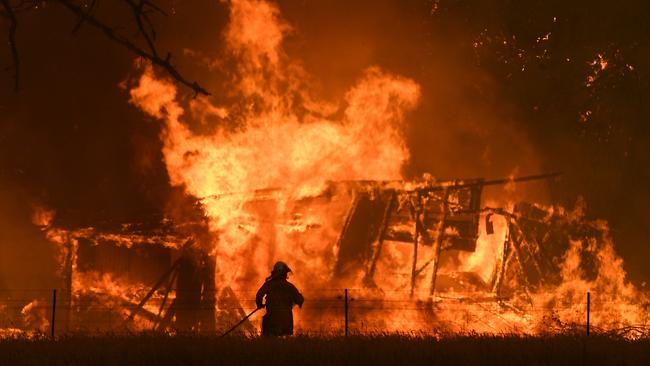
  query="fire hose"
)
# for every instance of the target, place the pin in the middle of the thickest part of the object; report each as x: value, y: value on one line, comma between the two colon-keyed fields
x: 241, y: 321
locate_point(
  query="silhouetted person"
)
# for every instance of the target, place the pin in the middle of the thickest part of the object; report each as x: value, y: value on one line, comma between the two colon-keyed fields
x: 280, y: 295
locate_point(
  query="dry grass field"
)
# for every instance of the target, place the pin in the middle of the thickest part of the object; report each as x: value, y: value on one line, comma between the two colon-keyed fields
x: 354, y: 350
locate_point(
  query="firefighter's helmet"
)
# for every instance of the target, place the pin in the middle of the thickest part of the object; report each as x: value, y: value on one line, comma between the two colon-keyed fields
x: 281, y: 267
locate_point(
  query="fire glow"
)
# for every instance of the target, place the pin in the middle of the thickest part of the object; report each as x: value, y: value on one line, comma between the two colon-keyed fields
x: 282, y: 175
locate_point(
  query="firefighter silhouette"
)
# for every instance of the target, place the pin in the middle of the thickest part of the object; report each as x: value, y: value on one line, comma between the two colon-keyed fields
x: 280, y: 295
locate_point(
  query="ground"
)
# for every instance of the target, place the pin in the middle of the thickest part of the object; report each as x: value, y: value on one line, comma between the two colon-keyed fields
x: 353, y: 350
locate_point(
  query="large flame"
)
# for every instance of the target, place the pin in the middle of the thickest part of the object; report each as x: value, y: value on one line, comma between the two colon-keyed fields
x: 262, y: 166
x: 284, y: 137
x: 279, y: 143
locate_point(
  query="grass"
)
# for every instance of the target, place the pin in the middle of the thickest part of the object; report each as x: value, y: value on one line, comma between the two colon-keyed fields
x: 393, y: 350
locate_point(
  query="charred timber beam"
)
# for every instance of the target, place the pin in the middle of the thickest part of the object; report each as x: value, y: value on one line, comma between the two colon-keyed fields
x: 124, y: 304
x: 424, y: 266
x: 456, y: 184
x: 521, y: 179
x: 414, y: 272
x: 516, y: 253
x: 348, y: 218
x: 530, y: 256
x: 416, y: 237
x: 376, y: 248
x: 155, y: 287
x: 163, y: 278
x: 447, y: 185
x: 440, y: 232
x: 346, y: 226
x: 169, y: 315
x: 398, y: 185
x: 170, y: 284
x: 143, y: 312
x: 502, y: 266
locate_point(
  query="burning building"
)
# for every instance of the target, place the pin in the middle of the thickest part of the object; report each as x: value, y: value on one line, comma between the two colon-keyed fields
x: 271, y: 171
x: 423, y: 253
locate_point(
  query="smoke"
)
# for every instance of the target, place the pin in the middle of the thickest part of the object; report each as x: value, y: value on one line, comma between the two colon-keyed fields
x: 28, y: 266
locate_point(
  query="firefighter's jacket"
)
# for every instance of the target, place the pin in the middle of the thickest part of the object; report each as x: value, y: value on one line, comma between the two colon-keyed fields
x: 281, y: 295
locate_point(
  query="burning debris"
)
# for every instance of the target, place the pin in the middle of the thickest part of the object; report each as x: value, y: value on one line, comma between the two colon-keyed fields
x: 415, y: 250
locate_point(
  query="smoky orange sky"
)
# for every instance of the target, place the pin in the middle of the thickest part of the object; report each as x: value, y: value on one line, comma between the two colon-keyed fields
x: 71, y: 141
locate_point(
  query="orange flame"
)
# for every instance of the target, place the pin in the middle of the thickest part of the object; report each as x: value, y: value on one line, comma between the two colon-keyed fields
x: 276, y: 146
x: 261, y: 184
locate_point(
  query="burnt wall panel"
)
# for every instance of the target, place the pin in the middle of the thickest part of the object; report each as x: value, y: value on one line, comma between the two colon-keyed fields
x: 138, y: 264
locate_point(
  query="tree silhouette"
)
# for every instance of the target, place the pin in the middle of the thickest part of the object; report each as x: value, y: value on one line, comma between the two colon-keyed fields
x: 140, y: 11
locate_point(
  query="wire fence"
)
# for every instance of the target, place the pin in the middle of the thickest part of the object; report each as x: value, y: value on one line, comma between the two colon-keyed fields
x: 325, y: 311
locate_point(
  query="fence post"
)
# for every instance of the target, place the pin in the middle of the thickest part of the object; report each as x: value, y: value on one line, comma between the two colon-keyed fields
x: 53, y: 312
x: 588, y: 310
x: 346, y: 312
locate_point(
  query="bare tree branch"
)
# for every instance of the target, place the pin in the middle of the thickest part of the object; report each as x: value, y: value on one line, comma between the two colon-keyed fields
x: 140, y: 14
x: 13, y: 25
x: 91, y: 7
x: 141, y: 10
x: 152, y: 55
